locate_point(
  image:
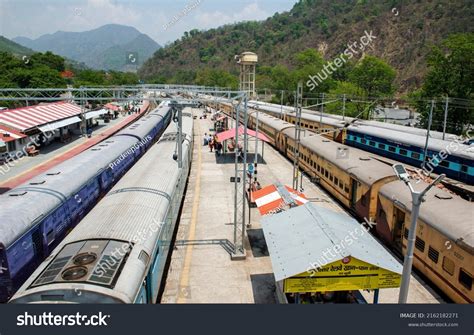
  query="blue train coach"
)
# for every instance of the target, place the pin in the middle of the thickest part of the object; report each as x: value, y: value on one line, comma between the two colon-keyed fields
x: 37, y: 215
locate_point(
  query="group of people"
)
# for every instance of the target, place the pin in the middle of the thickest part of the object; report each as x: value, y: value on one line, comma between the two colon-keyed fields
x: 213, y: 142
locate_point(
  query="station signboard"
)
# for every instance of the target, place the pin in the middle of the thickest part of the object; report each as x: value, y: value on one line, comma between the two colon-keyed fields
x: 344, y: 275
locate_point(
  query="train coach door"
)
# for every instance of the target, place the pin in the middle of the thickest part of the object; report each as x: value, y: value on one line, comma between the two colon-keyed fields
x: 398, y: 221
x: 353, y: 193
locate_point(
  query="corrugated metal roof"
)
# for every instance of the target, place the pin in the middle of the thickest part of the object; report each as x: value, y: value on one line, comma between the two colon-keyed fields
x: 8, y: 134
x: 92, y: 114
x: 225, y: 135
x: 59, y: 124
x: 29, y: 117
x: 271, y: 198
x: 297, y: 238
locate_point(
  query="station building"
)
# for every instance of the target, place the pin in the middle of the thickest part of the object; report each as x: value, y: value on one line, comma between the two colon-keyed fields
x: 39, y: 125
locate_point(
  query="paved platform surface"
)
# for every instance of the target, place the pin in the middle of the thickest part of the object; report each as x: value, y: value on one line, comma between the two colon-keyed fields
x: 201, y: 270
x: 28, y: 167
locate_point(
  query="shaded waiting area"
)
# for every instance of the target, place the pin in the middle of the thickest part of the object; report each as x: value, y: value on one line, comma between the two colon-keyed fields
x: 227, y: 138
x: 320, y: 256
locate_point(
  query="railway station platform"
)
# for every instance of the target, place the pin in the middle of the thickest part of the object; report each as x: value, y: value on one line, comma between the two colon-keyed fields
x: 201, y: 269
x: 28, y: 167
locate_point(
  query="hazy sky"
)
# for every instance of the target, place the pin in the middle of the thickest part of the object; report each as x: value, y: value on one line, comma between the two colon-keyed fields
x: 33, y: 18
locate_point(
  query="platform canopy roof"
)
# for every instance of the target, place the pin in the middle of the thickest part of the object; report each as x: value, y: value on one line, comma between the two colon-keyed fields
x: 276, y: 198
x: 8, y: 134
x: 228, y: 134
x: 220, y: 118
x: 92, y: 114
x: 112, y: 107
x: 297, y: 238
x: 26, y: 118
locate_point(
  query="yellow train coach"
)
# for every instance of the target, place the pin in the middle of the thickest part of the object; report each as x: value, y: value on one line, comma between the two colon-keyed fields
x: 370, y: 189
x: 444, y: 236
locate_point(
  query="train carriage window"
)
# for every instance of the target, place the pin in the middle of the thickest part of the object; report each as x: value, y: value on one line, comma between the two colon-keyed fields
x: 443, y: 163
x: 391, y: 149
x: 341, y: 185
x: 336, y: 181
x: 448, y: 265
x: 415, y: 155
x: 326, y: 173
x: 465, y: 279
x: 372, y: 143
x: 346, y: 188
x: 403, y: 152
x: 381, y: 146
x: 405, y: 233
x: 331, y: 177
x: 464, y: 168
x: 433, y: 254
x: 420, y: 244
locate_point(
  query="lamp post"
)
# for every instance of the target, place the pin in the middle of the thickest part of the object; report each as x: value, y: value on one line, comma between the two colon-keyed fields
x: 417, y: 199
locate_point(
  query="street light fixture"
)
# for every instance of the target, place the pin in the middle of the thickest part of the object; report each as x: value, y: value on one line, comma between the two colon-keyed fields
x: 417, y: 199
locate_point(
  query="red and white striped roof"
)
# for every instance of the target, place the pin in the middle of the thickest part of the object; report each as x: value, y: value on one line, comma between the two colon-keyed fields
x: 270, y: 201
x: 26, y: 118
x: 7, y: 134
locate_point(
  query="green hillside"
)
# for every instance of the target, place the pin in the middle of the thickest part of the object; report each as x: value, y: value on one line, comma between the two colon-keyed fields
x: 9, y: 46
x: 405, y: 33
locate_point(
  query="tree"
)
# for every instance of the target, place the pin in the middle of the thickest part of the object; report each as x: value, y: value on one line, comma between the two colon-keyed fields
x: 352, y: 92
x: 90, y: 78
x: 215, y: 77
x: 310, y: 64
x: 49, y: 59
x: 450, y: 74
x: 374, y: 76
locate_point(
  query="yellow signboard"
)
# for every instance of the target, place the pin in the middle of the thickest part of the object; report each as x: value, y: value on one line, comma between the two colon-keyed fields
x: 345, y: 275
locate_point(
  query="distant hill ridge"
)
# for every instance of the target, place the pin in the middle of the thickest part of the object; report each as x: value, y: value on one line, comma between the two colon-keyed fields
x: 110, y: 47
x: 404, y: 30
x: 14, y: 48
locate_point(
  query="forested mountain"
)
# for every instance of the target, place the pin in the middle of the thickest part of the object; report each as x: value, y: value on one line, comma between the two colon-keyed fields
x: 7, y: 45
x: 110, y: 47
x: 405, y: 32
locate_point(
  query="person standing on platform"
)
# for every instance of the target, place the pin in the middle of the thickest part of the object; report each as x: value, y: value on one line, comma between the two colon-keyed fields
x: 211, y: 144
x: 205, y: 139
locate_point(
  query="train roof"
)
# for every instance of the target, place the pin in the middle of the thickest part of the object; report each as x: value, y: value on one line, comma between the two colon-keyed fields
x: 274, y: 122
x: 141, y: 127
x: 129, y: 218
x: 446, y: 212
x: 47, y: 190
x: 354, y: 161
x: 334, y: 122
x: 464, y: 151
x: 314, y: 115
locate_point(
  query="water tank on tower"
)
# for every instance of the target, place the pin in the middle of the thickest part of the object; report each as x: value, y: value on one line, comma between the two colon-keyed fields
x: 247, y: 61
